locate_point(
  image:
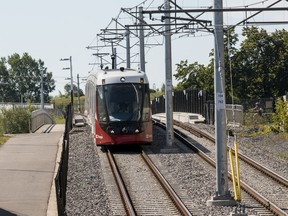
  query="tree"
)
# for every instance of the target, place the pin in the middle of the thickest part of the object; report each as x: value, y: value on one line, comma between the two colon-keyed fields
x: 163, y: 88
x: 23, y: 75
x: 230, y: 42
x: 199, y: 76
x: 67, y: 89
x: 194, y: 76
x: 260, y: 66
x: 5, y: 82
x: 258, y: 69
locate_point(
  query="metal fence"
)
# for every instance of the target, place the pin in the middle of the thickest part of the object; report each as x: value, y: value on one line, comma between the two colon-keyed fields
x: 192, y: 101
x: 234, y: 113
x: 12, y: 105
x: 195, y: 101
x: 61, y: 176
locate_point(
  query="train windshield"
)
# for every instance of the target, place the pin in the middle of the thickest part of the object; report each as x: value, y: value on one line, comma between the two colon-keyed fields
x: 123, y: 102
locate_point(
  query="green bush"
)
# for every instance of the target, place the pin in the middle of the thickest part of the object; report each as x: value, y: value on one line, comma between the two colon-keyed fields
x: 16, y: 120
x: 59, y: 119
x: 1, y: 125
x: 280, y: 117
x: 60, y: 102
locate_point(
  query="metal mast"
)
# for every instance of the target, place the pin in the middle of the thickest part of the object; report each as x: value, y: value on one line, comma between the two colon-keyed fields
x: 168, y: 80
x: 222, y: 196
x: 141, y: 40
x: 128, y: 65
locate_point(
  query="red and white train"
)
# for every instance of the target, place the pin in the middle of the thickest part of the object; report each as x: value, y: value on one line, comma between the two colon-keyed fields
x: 117, y: 105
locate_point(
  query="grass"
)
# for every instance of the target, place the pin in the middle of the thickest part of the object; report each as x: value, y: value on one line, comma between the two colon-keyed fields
x: 58, y: 119
x: 60, y: 102
x: 3, y: 139
x: 283, y: 155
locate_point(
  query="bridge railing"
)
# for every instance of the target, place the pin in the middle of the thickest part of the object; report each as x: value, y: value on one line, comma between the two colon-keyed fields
x: 40, y: 118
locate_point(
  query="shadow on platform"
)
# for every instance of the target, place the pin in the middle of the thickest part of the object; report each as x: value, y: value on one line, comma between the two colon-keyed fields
x: 3, y: 212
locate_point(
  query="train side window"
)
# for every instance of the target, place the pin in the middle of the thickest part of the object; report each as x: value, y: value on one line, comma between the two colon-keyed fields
x: 146, y: 108
x: 100, y: 105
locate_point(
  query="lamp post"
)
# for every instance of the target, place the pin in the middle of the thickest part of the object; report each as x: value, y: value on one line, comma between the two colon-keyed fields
x: 78, y: 88
x: 71, y: 75
x: 42, y: 91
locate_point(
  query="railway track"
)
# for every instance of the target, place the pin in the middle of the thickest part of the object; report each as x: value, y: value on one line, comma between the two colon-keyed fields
x: 144, y: 190
x: 274, y: 200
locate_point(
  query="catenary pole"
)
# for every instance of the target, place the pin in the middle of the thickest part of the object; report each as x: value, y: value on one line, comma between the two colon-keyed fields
x: 78, y: 86
x: 115, y: 57
x: 141, y: 40
x: 128, y: 47
x: 71, y: 76
x: 168, y: 80
x: 222, y: 196
x: 219, y: 90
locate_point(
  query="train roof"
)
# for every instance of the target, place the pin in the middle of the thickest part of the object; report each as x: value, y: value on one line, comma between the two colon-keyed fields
x: 121, y: 75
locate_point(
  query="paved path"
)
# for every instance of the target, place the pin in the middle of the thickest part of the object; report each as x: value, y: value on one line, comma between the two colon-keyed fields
x: 27, y: 168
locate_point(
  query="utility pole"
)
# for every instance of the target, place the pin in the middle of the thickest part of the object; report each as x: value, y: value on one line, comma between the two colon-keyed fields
x: 128, y: 47
x: 78, y: 93
x: 42, y: 91
x: 168, y: 80
x: 222, y: 196
x: 141, y: 40
x: 113, y: 57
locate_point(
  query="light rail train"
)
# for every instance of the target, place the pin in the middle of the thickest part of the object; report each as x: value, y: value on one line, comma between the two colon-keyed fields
x: 117, y: 106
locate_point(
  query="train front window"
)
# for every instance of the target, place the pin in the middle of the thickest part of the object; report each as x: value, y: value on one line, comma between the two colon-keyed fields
x: 124, y: 102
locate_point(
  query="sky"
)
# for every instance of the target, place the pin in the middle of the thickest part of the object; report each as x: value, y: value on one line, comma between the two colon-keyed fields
x: 51, y: 30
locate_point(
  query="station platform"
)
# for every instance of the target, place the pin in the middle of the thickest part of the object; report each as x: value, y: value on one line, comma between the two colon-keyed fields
x: 191, y: 118
x: 28, y: 164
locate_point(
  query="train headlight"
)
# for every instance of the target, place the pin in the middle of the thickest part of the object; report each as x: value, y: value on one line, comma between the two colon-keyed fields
x: 124, y: 130
x: 110, y: 130
x: 139, y: 129
x: 122, y: 79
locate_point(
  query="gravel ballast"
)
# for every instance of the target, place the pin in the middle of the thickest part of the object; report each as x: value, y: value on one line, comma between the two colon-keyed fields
x: 86, y: 191
x: 87, y: 194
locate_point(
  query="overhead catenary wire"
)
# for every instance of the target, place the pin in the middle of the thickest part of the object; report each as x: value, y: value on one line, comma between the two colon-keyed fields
x: 126, y: 17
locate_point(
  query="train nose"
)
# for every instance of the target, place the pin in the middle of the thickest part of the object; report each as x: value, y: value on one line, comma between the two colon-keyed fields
x: 124, y: 130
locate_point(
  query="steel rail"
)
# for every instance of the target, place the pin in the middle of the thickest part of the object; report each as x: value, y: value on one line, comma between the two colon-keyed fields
x: 169, y: 190
x: 266, y: 203
x: 263, y: 169
x: 121, y: 186
x: 247, y: 160
x: 194, y: 131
